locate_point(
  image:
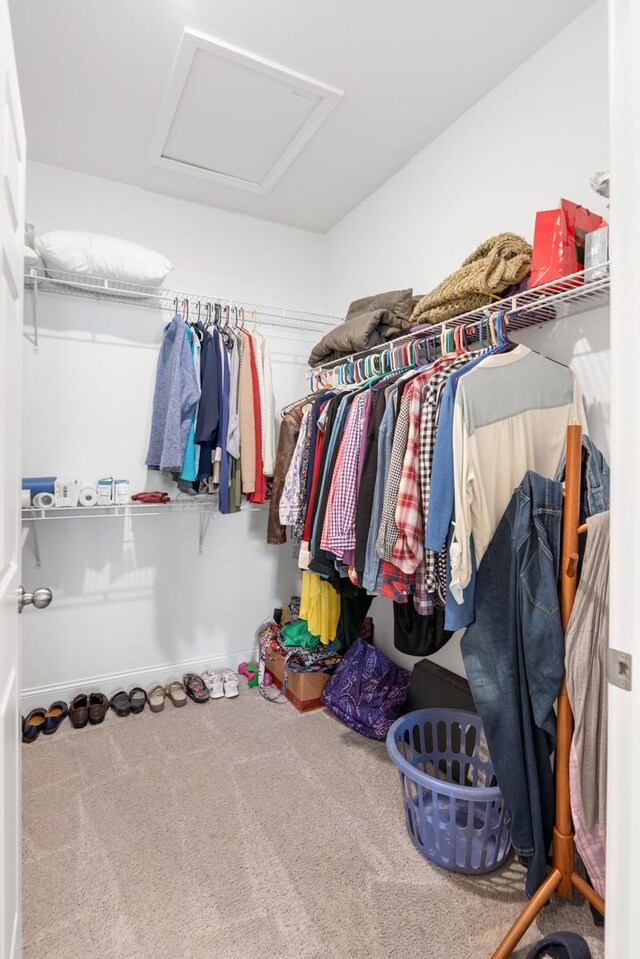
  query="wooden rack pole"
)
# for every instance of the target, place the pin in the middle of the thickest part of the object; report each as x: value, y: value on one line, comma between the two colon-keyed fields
x: 562, y: 878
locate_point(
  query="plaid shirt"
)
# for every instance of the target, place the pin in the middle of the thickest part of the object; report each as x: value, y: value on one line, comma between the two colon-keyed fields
x: 409, y: 518
x: 399, y: 586
x: 435, y: 564
x: 339, y: 531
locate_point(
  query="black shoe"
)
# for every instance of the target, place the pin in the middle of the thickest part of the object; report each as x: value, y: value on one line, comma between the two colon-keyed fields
x: 121, y: 704
x: 137, y: 698
x: 56, y: 714
x: 33, y: 725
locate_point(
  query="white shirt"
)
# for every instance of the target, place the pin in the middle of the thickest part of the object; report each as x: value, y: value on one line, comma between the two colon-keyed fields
x: 511, y: 415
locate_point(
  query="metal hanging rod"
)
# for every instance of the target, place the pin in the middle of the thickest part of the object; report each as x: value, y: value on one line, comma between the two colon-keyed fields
x: 40, y: 280
x: 578, y: 293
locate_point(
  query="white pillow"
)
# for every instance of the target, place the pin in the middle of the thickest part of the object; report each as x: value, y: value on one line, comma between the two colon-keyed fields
x: 107, y: 257
x: 31, y: 258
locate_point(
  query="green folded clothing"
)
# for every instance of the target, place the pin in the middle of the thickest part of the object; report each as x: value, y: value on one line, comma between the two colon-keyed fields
x: 297, y: 634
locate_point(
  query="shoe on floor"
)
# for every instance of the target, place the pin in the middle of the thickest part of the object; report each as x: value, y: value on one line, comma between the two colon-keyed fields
x: 214, y: 683
x: 33, y: 725
x: 56, y: 714
x: 195, y: 687
x: 137, y: 698
x: 230, y: 680
x: 79, y: 711
x: 176, y: 693
x: 120, y: 703
x: 98, y: 708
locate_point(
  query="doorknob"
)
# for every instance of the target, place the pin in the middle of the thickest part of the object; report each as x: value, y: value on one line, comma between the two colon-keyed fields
x: 40, y: 598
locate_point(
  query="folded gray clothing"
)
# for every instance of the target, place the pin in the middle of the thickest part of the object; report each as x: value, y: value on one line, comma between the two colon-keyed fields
x: 369, y: 322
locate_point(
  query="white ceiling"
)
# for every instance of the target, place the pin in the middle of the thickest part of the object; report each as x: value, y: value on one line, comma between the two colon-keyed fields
x: 93, y: 75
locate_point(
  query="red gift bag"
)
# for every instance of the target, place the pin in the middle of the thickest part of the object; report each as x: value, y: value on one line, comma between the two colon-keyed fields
x: 558, y: 242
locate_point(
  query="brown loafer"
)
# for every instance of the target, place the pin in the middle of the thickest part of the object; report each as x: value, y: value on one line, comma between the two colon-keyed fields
x: 79, y: 711
x: 98, y: 706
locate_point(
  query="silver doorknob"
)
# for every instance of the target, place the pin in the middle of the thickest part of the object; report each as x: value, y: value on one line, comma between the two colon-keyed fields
x: 40, y: 598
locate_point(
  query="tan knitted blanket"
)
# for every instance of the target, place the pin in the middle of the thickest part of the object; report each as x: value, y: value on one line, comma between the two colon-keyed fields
x: 497, y: 264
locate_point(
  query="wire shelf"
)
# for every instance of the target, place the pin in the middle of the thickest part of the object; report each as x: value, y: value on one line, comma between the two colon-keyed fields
x: 41, y: 280
x: 200, y: 505
x: 206, y: 507
x: 578, y: 293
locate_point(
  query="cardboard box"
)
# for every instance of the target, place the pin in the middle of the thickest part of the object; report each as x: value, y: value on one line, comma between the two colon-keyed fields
x: 303, y: 689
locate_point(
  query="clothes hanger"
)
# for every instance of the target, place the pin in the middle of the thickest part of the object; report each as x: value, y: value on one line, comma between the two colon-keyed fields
x: 196, y: 324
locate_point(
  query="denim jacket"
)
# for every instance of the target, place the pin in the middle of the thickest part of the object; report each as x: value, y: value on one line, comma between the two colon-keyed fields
x: 595, y: 486
x: 514, y: 660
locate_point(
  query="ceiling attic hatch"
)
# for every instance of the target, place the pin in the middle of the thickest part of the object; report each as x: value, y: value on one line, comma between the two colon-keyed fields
x: 233, y: 118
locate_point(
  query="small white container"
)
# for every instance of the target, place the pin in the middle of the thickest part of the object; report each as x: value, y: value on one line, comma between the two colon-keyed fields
x: 122, y: 492
x: 66, y: 491
x: 105, y: 491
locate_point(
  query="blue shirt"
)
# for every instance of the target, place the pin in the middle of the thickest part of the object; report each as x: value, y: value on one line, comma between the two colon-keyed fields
x: 192, y: 452
x: 438, y: 528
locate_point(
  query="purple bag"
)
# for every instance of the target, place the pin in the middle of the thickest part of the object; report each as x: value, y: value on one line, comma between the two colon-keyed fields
x: 367, y: 691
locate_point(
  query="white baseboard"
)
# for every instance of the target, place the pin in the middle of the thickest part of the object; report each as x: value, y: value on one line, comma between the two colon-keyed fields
x: 112, y: 682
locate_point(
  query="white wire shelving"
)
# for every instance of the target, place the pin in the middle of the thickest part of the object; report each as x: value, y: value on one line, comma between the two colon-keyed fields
x: 571, y: 295
x: 39, y: 280
x: 206, y: 507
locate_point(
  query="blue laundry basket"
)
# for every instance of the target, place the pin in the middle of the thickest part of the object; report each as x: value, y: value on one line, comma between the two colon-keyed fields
x: 455, y: 812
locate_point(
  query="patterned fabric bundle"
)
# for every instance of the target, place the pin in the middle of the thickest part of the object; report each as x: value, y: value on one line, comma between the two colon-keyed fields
x: 497, y: 264
x: 367, y: 691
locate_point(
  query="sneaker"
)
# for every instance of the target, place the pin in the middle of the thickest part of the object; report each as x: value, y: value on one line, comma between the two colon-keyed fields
x: 214, y: 683
x: 230, y: 680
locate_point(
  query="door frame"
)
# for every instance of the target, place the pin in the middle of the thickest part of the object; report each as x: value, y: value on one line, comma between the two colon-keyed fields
x: 623, y: 826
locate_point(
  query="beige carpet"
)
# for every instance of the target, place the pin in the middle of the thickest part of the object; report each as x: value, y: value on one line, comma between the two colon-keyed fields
x: 241, y: 829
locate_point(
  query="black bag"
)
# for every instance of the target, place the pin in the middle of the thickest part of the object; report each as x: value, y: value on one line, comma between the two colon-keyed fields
x: 418, y: 635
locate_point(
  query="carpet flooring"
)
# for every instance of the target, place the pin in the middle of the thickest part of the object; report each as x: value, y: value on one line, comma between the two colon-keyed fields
x: 241, y: 829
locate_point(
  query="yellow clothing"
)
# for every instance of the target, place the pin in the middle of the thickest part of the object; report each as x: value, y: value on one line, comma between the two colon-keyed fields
x: 320, y: 606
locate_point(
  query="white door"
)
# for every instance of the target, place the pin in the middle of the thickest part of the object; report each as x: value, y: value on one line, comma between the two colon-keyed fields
x: 623, y: 822
x: 12, y: 189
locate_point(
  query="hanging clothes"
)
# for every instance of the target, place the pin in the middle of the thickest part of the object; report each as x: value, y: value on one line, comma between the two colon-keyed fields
x: 206, y: 374
x: 259, y: 492
x: 511, y: 415
x: 392, y: 482
x: 514, y: 660
x: 268, y: 454
x: 320, y: 607
x: 192, y: 453
x: 587, y: 641
x: 174, y: 401
x: 289, y: 430
x: 292, y: 491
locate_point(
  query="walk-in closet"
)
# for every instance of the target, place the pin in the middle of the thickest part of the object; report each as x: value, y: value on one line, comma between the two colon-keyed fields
x: 318, y: 515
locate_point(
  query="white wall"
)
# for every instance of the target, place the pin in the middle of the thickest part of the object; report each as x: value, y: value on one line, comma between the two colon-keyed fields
x: 134, y: 595
x: 537, y: 137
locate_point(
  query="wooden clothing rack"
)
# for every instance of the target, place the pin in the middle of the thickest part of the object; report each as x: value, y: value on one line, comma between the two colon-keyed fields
x: 562, y: 879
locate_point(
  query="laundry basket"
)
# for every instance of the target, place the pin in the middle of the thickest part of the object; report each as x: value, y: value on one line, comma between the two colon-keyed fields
x: 455, y: 812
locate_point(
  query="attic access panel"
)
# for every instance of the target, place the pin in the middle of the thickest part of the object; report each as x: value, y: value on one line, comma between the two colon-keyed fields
x: 233, y: 118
